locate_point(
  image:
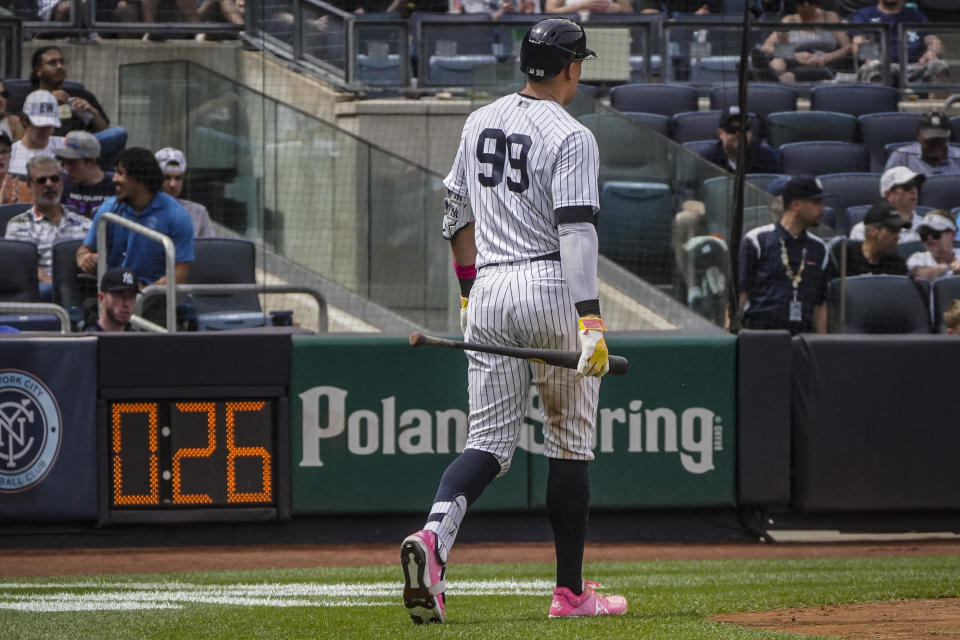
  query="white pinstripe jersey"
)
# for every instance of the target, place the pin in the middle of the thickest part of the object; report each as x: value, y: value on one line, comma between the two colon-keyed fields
x: 519, y: 159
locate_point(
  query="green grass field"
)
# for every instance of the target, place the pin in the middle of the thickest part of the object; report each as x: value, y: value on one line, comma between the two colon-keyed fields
x: 667, y: 600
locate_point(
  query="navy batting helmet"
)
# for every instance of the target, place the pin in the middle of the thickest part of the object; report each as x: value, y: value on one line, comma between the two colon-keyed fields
x: 551, y: 45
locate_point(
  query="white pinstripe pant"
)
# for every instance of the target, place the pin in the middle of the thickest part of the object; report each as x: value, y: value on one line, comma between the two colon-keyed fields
x: 526, y: 304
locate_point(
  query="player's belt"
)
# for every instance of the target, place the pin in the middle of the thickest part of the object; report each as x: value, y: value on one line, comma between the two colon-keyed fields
x: 555, y: 256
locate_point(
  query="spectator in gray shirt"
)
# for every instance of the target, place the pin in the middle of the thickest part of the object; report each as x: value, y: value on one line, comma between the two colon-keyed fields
x: 174, y: 165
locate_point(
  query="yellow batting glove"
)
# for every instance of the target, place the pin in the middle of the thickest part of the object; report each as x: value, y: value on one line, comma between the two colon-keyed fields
x: 594, y: 356
x: 463, y: 314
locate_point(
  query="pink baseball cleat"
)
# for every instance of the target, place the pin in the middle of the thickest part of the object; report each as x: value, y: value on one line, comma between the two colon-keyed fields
x: 423, y: 585
x: 566, y: 604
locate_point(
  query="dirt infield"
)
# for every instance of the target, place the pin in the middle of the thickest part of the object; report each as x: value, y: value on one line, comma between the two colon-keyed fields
x: 895, y: 620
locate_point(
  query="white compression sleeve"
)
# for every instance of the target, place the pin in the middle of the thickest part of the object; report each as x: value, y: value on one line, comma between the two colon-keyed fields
x: 578, y: 254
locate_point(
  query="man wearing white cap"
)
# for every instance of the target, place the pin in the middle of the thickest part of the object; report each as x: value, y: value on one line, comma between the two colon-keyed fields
x: 938, y: 231
x: 932, y: 154
x: 174, y: 164
x: 39, y: 120
x: 900, y: 187
x: 87, y: 185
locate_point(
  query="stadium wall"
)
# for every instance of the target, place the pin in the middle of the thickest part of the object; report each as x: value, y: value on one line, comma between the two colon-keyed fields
x: 271, y: 426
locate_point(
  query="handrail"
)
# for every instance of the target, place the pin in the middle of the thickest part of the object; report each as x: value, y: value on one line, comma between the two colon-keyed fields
x: 155, y: 290
x: 39, y: 307
x: 168, y: 250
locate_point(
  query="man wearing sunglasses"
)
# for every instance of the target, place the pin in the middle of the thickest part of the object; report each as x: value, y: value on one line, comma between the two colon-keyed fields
x: 877, y: 253
x: 900, y: 187
x: 48, y: 222
x: 938, y: 232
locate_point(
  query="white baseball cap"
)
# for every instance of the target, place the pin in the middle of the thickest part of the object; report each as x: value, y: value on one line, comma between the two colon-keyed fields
x: 171, y: 159
x: 42, y: 109
x: 937, y: 221
x: 897, y: 176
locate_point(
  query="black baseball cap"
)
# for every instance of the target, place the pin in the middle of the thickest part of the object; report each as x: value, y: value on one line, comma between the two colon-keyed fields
x: 802, y: 187
x: 731, y: 116
x: 884, y: 214
x: 118, y: 279
x: 934, y: 124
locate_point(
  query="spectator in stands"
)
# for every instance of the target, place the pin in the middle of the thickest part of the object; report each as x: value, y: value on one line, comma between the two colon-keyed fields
x: 900, y: 187
x: 47, y: 222
x: 174, y: 164
x: 232, y: 10
x: 783, y: 267
x: 40, y: 120
x: 12, y: 189
x: 87, y: 185
x: 588, y: 6
x: 9, y: 123
x: 951, y: 317
x: 139, y: 199
x: 924, y: 50
x: 117, y: 298
x: 77, y: 108
x: 938, y: 232
x: 932, y: 154
x: 877, y: 252
x: 761, y: 157
x: 816, y: 51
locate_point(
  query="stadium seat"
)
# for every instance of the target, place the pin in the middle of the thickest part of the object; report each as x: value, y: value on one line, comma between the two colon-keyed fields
x: 848, y: 189
x: 762, y: 99
x: 879, y: 304
x: 456, y: 71
x: 695, y: 125
x: 626, y: 153
x: 7, y: 211
x: 225, y: 261
x: 379, y: 71
x: 18, y: 271
x: 821, y: 157
x: 71, y: 287
x: 834, y: 220
x: 708, y: 263
x: 713, y: 69
x: 907, y: 249
x: 762, y: 180
x: 945, y: 291
x: 665, y: 99
x: 784, y: 127
x: 877, y: 130
x: 636, y: 226
x: 699, y: 146
x: 940, y: 192
x: 855, y: 99
x: 717, y: 192
x: 655, y: 121
x: 955, y: 128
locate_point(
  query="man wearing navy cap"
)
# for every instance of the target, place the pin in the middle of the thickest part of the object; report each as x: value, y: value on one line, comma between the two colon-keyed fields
x: 783, y: 266
x: 117, y: 298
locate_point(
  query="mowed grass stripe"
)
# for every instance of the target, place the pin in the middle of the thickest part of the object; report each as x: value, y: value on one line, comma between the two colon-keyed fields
x: 510, y: 601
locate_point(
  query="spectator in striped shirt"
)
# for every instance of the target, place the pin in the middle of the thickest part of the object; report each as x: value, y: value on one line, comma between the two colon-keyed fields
x: 48, y: 222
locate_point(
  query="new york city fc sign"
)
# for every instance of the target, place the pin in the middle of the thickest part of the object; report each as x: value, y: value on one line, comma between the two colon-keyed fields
x: 30, y: 430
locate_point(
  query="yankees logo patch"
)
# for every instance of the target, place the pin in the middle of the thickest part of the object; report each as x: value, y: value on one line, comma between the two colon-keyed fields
x: 29, y: 430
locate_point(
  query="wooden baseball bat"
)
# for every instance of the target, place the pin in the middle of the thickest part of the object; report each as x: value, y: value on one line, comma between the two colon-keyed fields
x: 555, y: 357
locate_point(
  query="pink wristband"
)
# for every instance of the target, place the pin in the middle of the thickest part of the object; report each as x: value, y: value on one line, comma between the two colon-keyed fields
x: 465, y: 272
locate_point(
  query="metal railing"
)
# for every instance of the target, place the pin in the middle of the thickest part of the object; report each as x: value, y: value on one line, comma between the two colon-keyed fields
x: 32, y: 308
x: 84, y: 21
x: 157, y: 290
x: 168, y: 250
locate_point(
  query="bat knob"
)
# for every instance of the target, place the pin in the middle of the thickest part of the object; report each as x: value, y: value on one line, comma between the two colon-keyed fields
x: 415, y: 339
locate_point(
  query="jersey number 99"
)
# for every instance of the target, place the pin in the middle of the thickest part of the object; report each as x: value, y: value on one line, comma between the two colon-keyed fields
x: 518, y: 146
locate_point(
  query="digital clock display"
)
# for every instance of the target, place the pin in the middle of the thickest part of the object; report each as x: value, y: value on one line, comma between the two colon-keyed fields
x: 191, y: 454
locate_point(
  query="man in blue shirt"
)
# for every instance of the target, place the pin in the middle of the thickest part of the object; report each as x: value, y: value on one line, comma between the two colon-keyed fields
x: 924, y: 50
x: 783, y: 266
x: 139, y: 198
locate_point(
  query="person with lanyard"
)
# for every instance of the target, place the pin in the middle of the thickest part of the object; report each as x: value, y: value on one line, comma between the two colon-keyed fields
x: 783, y: 266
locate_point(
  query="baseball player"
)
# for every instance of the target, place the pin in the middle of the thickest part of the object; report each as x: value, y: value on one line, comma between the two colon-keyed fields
x: 520, y: 214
